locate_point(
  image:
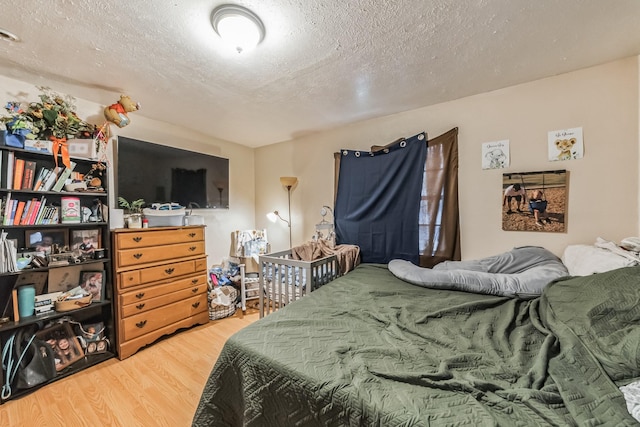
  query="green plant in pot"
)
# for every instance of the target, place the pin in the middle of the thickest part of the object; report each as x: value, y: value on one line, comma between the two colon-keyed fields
x: 133, y: 211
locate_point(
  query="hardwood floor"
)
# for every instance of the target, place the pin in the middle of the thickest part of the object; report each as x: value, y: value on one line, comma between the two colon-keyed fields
x: 158, y: 386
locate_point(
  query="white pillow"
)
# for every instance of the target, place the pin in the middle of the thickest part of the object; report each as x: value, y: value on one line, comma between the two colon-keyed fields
x: 583, y: 260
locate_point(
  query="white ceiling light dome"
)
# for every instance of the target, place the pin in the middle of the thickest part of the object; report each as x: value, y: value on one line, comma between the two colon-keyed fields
x: 237, y: 26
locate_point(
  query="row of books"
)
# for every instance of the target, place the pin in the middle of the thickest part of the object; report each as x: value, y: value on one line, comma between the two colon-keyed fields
x: 29, y: 212
x: 22, y: 174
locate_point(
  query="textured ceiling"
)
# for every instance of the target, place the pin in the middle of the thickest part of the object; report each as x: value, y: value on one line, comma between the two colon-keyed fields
x: 322, y: 64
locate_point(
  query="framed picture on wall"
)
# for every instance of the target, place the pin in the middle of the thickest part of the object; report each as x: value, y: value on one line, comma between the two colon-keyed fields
x: 534, y: 201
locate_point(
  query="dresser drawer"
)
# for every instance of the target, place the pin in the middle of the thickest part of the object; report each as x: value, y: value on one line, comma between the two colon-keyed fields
x: 152, y: 238
x: 167, y: 271
x: 194, y: 285
x: 128, y: 279
x: 151, y: 320
x: 130, y: 257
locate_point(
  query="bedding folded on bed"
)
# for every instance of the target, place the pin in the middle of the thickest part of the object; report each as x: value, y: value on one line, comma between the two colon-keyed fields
x: 522, y: 272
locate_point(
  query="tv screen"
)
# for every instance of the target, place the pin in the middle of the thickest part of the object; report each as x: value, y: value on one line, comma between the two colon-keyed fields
x: 162, y: 174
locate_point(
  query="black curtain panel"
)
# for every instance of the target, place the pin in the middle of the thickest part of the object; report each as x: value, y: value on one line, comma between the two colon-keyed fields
x: 378, y: 199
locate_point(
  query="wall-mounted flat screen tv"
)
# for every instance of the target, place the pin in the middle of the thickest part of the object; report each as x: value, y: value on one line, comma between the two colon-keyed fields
x: 162, y: 174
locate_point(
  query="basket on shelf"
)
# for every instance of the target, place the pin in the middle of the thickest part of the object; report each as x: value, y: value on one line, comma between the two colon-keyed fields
x: 220, y: 311
x: 72, y: 304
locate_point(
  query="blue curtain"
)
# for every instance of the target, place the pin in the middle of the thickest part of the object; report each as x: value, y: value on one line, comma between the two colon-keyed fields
x: 378, y: 200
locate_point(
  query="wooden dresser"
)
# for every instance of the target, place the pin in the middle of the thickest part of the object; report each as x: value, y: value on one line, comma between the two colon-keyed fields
x: 161, y: 283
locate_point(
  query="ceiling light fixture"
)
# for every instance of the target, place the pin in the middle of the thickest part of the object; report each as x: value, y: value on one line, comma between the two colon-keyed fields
x: 6, y: 35
x: 237, y: 26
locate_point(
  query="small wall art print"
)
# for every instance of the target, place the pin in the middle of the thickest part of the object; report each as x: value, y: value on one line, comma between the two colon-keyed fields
x: 534, y: 201
x: 565, y: 144
x: 495, y: 155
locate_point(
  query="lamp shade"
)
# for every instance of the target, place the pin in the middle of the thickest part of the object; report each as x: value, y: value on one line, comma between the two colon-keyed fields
x: 288, y: 181
x: 237, y: 26
x: 273, y: 216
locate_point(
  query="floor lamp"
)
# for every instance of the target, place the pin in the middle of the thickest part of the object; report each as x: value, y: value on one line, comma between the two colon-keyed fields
x: 288, y: 182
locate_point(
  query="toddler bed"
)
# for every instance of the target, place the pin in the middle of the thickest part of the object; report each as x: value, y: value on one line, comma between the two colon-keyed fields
x: 371, y: 349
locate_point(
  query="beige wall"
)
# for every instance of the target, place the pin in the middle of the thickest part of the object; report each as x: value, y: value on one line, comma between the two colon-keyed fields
x: 603, y: 186
x: 220, y: 223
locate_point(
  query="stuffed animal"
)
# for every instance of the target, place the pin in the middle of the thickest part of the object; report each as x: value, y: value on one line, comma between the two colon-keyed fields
x: 564, y: 146
x: 117, y: 113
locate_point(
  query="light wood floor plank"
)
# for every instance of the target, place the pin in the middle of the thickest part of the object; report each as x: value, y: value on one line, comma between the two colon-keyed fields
x: 158, y: 386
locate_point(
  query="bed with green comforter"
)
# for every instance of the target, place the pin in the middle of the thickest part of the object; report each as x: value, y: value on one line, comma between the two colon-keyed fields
x: 371, y: 350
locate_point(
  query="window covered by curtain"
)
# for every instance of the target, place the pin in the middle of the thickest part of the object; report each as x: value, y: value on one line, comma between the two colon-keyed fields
x: 439, y: 217
x: 375, y: 205
x: 378, y: 200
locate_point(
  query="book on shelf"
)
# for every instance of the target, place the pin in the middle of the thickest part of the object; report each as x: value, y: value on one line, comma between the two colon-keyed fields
x: 18, y: 213
x: 64, y: 175
x: 35, y: 211
x: 12, y: 215
x: 7, y: 209
x: 51, y: 179
x: 28, y: 211
x: 41, y: 209
x: 29, y: 174
x: 17, y: 174
x: 42, y: 174
x: 8, y: 177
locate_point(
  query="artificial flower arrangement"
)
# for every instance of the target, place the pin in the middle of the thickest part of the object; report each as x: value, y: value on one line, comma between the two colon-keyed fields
x: 52, y: 118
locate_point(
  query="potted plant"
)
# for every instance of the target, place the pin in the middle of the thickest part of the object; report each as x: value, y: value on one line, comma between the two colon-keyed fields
x: 133, y: 211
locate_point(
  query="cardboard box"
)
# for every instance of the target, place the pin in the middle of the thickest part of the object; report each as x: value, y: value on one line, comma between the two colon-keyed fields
x: 38, y: 145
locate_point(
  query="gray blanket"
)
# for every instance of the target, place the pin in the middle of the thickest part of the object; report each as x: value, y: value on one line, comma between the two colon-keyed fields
x: 521, y: 272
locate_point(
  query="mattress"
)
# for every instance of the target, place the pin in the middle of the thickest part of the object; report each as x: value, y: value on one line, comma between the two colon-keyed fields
x: 370, y: 349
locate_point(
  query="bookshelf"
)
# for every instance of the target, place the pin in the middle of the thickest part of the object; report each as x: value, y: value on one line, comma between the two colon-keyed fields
x: 35, y: 209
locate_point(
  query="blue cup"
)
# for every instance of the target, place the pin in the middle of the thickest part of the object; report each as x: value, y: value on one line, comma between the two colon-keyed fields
x: 26, y: 300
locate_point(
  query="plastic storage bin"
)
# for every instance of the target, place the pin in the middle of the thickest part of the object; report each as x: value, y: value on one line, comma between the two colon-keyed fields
x: 164, y: 218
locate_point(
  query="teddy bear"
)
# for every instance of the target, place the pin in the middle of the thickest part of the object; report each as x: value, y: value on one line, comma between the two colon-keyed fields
x: 564, y: 146
x: 117, y: 113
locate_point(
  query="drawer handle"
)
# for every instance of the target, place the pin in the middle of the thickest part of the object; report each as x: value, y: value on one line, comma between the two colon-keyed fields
x: 137, y: 239
x: 169, y: 270
x: 130, y: 278
x: 140, y: 306
x: 192, y: 248
x: 141, y: 324
x: 194, y: 290
x: 140, y: 295
x: 192, y: 235
x: 196, y: 304
x: 194, y: 281
x: 137, y: 256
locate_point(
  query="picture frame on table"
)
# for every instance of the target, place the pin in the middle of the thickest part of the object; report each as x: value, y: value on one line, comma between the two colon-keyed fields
x: 93, y: 282
x: 64, y: 343
x: 86, y: 241
x: 44, y: 240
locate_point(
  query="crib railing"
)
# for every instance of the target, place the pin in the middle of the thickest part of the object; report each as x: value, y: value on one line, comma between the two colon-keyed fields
x: 284, y: 280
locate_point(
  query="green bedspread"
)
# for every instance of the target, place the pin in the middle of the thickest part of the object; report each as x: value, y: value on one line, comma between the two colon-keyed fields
x: 371, y: 350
